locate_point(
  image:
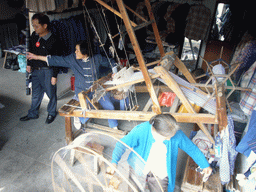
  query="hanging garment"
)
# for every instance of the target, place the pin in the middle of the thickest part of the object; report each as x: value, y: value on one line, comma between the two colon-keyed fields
x: 246, y: 56
x: 248, y: 98
x: 41, y: 6
x: 62, y: 5
x: 8, y: 35
x: 243, y: 146
x: 227, y: 161
x: 142, y: 11
x: 168, y: 17
x: 197, y: 23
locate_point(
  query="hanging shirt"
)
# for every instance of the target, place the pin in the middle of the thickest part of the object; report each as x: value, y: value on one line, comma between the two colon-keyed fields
x: 197, y: 23
x: 248, y: 98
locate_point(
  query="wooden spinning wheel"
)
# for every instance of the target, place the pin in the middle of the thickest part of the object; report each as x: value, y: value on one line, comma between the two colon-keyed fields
x: 93, y: 152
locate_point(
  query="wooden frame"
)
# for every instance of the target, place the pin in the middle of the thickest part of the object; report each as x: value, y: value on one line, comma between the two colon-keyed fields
x: 191, y: 117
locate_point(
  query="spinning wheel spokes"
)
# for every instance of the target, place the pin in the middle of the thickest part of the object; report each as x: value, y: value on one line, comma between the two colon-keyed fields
x: 82, y: 175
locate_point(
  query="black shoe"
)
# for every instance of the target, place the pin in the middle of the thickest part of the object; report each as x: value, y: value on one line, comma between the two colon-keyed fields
x: 27, y: 118
x: 50, y: 119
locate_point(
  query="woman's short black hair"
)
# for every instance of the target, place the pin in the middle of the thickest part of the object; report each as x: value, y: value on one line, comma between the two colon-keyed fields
x: 83, y: 47
x: 42, y: 19
x: 164, y: 124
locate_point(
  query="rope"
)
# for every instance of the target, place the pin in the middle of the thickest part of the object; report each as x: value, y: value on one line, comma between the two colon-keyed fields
x: 104, y: 21
x: 101, y: 44
x: 121, y: 38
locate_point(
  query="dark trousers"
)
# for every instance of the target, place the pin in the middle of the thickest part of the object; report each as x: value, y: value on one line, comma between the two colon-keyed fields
x: 152, y: 183
x: 41, y: 83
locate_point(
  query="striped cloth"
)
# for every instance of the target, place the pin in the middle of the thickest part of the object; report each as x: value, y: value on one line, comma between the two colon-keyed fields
x: 248, y: 100
x: 197, y: 22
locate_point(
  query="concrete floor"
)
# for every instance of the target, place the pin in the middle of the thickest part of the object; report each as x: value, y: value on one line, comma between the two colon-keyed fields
x: 29, y: 146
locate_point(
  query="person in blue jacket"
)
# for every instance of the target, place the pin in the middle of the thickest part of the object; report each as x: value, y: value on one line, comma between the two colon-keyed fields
x: 87, y: 68
x: 157, y: 141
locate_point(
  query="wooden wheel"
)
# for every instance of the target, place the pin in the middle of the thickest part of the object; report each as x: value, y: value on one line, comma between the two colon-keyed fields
x: 93, y: 154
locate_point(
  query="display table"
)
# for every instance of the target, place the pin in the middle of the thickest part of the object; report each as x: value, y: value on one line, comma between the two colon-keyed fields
x: 17, y: 50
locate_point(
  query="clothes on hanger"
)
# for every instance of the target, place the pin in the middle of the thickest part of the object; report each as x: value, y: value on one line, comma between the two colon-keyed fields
x: 248, y: 98
x: 243, y: 146
x: 197, y: 22
x: 41, y: 6
x: 228, y: 158
x: 51, y: 5
x: 69, y: 31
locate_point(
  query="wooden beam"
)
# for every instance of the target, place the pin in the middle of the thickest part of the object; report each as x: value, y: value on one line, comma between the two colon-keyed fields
x: 135, y: 13
x: 226, y: 87
x: 135, y: 29
x: 155, y: 29
x: 114, y: 11
x: 129, y: 83
x: 221, y: 107
x: 143, y: 88
x: 156, y: 107
x: 68, y: 129
x: 82, y: 100
x: 142, y: 116
x: 172, y: 84
x: 182, y: 67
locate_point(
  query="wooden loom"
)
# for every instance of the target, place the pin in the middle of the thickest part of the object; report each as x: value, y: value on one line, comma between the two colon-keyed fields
x: 191, y: 117
x: 167, y: 59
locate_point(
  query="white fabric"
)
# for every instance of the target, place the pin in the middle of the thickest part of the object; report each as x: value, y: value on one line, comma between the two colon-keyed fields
x: 77, y: 123
x: 156, y: 162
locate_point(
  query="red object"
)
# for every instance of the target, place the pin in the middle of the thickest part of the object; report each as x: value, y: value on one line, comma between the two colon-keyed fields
x: 37, y: 44
x: 166, y: 99
x: 123, y: 62
x: 72, y: 80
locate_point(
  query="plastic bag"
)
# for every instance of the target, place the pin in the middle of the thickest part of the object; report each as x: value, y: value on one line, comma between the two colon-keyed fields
x: 22, y: 63
x: 166, y: 99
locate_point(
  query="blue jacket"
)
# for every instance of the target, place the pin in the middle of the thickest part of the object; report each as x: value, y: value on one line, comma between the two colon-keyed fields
x: 85, y: 72
x: 141, y: 139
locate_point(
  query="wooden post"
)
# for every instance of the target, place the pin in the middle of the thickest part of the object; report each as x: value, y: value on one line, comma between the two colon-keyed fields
x: 68, y: 130
x: 114, y: 11
x: 221, y: 107
x: 182, y: 67
x: 155, y: 29
x: 156, y: 107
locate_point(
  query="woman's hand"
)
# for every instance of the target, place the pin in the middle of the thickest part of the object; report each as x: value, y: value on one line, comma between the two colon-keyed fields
x: 31, y: 56
x: 207, y: 172
x: 110, y: 170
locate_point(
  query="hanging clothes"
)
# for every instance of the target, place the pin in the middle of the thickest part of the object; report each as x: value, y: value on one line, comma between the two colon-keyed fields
x: 69, y: 31
x: 62, y: 5
x: 41, y: 6
x: 8, y: 34
x: 243, y: 146
x: 248, y: 98
x: 247, y: 56
x: 227, y: 161
x: 197, y: 23
x: 169, y: 19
